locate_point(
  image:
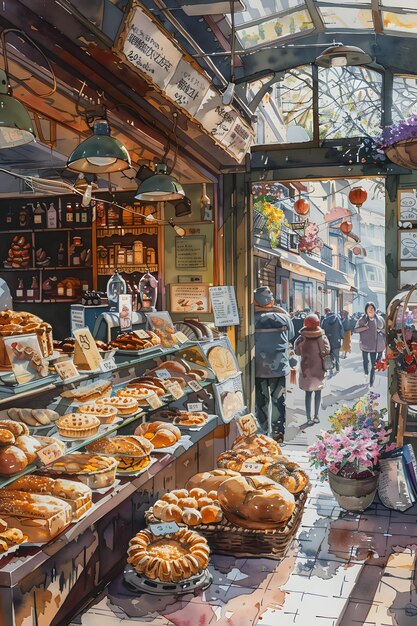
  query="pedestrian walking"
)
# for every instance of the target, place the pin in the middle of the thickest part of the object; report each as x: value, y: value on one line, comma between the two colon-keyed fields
x: 371, y: 327
x: 312, y: 346
x: 348, y: 324
x: 273, y: 332
x: 332, y: 326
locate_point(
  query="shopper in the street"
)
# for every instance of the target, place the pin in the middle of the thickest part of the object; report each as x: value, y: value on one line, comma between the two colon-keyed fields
x: 371, y: 327
x: 312, y: 346
x: 348, y: 324
x: 332, y: 326
x: 273, y: 332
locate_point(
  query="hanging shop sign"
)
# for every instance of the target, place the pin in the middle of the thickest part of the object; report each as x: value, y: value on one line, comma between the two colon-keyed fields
x: 154, y: 54
x: 191, y: 298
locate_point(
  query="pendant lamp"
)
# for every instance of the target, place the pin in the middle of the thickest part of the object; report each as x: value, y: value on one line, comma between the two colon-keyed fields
x: 343, y: 56
x: 100, y: 153
x: 161, y: 187
x: 15, y: 124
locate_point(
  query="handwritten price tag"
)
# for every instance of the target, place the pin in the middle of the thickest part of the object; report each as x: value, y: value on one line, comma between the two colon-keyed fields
x: 247, y: 424
x: 50, y: 453
x: 181, y: 337
x: 194, y: 385
x: 66, y: 370
x: 164, y: 528
x: 174, y: 389
x: 194, y: 407
x: 154, y: 401
x: 163, y: 374
x: 108, y: 365
x: 142, y: 334
x: 251, y: 468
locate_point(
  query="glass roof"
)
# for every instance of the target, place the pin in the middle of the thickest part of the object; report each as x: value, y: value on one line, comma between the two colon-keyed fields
x: 267, y: 21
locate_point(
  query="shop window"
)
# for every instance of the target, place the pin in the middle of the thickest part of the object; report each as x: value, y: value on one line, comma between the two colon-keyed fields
x: 349, y: 102
x: 285, y: 114
x: 280, y: 25
x: 404, y: 97
x: 303, y: 295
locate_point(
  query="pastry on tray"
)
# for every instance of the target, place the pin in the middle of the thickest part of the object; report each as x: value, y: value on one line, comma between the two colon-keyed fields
x: 192, y: 507
x: 124, y: 406
x: 18, y: 448
x: 166, y: 414
x: 128, y: 445
x: 33, y: 417
x: 106, y: 414
x: 140, y: 395
x: 10, y: 537
x: 93, y: 470
x: 170, y: 558
x: 38, y: 516
x: 89, y: 392
x: 153, y: 386
x: 78, y: 425
x: 161, y: 434
x: 77, y: 495
x: 192, y: 420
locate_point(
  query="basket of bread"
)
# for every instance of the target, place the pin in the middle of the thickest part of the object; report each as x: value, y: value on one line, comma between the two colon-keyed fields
x: 251, y: 505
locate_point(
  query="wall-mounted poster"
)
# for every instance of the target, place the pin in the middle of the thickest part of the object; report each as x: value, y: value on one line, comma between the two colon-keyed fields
x: 190, y: 252
x: 407, y: 249
x: 407, y: 208
x: 190, y: 298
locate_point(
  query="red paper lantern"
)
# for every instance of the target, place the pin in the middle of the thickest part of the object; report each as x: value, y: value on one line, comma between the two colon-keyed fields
x: 346, y: 227
x: 356, y: 250
x: 358, y: 196
x: 301, y: 206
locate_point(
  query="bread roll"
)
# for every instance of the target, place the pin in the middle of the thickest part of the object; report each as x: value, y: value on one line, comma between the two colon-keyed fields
x: 158, y: 507
x: 29, y: 445
x: 210, y: 481
x: 6, y: 437
x: 206, y: 501
x: 171, y: 513
x: 191, y: 517
x: 187, y: 503
x: 288, y: 474
x: 135, y: 446
x: 197, y: 492
x: 160, y: 434
x: 211, y: 514
x: 12, y: 460
x: 180, y: 493
x: 171, y: 498
x: 17, y: 428
x: 255, y: 502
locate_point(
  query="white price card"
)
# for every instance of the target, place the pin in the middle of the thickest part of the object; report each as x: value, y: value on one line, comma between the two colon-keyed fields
x: 194, y: 385
x: 154, y: 401
x: 174, y: 389
x: 194, y: 407
x: 142, y: 334
x: 50, y: 453
x: 247, y: 424
x: 181, y: 337
x: 163, y: 374
x: 66, y: 370
x: 108, y: 365
x: 164, y: 528
x: 251, y: 468
x: 86, y: 354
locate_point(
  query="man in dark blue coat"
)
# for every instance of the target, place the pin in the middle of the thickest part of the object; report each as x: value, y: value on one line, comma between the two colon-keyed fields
x: 333, y: 327
x: 273, y: 332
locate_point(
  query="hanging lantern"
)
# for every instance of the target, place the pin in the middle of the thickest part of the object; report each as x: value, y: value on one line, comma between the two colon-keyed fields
x: 301, y: 206
x: 357, y: 196
x: 356, y: 250
x: 346, y: 227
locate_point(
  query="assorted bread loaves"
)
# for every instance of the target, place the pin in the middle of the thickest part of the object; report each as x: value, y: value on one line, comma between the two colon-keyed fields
x: 192, y: 507
x: 235, y: 460
x: 258, y: 444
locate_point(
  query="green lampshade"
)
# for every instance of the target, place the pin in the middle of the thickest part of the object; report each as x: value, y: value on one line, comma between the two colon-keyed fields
x: 15, y: 123
x: 160, y: 187
x: 100, y: 153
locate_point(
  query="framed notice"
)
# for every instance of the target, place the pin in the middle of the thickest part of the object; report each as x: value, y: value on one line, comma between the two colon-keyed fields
x: 190, y: 298
x: 407, y: 249
x: 224, y: 305
x: 407, y: 208
x: 190, y: 252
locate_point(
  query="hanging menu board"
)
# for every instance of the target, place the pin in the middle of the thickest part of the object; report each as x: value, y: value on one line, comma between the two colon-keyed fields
x: 224, y: 305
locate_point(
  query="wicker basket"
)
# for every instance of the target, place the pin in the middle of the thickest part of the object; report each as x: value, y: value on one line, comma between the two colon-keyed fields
x: 407, y: 386
x: 227, y: 538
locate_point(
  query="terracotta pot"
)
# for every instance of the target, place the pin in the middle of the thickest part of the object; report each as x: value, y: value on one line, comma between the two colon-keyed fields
x: 352, y: 494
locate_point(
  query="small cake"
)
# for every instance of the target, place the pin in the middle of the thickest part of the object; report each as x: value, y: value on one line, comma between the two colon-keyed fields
x: 78, y: 425
x: 124, y: 406
x: 106, y: 414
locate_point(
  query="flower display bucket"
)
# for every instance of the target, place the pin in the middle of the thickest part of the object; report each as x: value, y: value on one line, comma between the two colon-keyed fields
x: 407, y: 386
x: 353, y: 494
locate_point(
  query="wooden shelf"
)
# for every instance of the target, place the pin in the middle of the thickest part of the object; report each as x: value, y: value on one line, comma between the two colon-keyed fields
x: 45, y: 230
x: 108, y: 231
x: 47, y: 267
x: 106, y: 270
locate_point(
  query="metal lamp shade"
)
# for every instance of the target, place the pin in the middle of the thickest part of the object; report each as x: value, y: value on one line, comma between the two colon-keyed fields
x: 343, y: 56
x: 160, y: 187
x: 15, y: 123
x: 100, y: 153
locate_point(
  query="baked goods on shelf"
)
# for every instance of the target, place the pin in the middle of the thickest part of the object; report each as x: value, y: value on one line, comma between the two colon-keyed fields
x: 255, y: 502
x: 106, y: 414
x: 161, y: 434
x: 131, y: 341
x: 17, y: 447
x: 124, y: 406
x: 166, y: 414
x: 222, y: 362
x: 33, y: 417
x: 93, y: 470
x: 186, y: 418
x: 152, y: 385
x: 40, y: 517
x: 140, y: 395
x: 235, y: 459
x: 288, y: 474
x: 10, y: 537
x: 170, y: 558
x: 77, y: 495
x: 21, y: 323
x: 78, y: 425
x: 133, y: 464
x: 68, y: 345
x: 210, y: 481
x: 192, y: 507
x: 94, y: 391
x: 128, y: 445
x: 258, y: 444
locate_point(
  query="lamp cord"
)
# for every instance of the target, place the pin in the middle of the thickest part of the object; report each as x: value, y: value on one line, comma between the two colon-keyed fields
x: 5, y: 32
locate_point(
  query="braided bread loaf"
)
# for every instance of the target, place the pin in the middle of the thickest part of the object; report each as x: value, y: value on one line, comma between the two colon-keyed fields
x: 288, y: 474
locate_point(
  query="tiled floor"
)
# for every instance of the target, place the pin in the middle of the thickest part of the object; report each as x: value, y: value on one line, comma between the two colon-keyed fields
x: 342, y: 570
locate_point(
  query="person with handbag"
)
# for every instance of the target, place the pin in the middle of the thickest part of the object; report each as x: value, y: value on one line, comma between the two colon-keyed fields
x: 371, y: 329
x: 314, y: 349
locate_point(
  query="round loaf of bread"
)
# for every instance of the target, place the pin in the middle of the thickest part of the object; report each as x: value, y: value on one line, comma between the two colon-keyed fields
x: 6, y: 437
x: 210, y: 481
x: 171, y: 498
x: 29, y: 445
x: 187, y: 503
x: 171, y: 513
x: 12, y: 460
x: 255, y: 502
x: 161, y: 434
x: 211, y: 514
x: 191, y: 516
x: 234, y: 459
x: 197, y: 493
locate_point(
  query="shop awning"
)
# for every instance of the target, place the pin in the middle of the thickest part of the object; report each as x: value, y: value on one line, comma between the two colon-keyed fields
x: 334, y: 278
x: 293, y: 263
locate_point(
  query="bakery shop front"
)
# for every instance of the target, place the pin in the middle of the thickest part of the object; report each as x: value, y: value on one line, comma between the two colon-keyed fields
x: 135, y: 483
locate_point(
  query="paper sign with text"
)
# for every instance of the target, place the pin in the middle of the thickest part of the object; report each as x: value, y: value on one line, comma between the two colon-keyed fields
x: 154, y: 401
x: 86, y: 354
x: 194, y: 385
x: 66, y: 370
x: 125, y: 311
x: 247, y: 424
x: 50, y: 453
x: 163, y: 374
x: 142, y: 334
x: 251, y: 468
x: 174, y: 389
x: 181, y: 337
x: 108, y: 365
x: 195, y: 407
x: 164, y: 528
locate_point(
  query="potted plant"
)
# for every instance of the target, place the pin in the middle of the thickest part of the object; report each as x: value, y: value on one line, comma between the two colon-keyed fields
x: 405, y: 357
x: 348, y: 454
x: 399, y: 142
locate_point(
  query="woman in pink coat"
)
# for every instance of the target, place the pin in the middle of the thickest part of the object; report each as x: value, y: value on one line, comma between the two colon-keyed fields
x: 311, y: 346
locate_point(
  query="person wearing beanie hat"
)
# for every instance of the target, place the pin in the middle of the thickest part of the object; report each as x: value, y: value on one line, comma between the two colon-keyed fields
x: 312, y: 346
x: 273, y: 332
x: 333, y: 327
